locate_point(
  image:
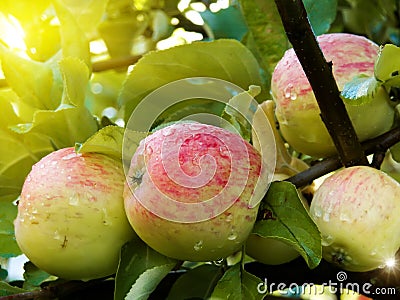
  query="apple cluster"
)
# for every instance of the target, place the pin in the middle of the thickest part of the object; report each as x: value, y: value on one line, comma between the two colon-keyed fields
x: 190, y: 189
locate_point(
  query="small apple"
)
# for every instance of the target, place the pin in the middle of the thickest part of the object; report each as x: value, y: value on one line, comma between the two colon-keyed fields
x: 357, y: 212
x: 297, y: 110
x: 190, y: 191
x: 71, y: 220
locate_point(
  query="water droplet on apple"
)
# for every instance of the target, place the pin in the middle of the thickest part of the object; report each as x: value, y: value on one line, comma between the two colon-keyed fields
x: 57, y: 236
x: 318, y: 212
x: 73, y: 200
x: 148, y: 150
x: 232, y: 236
x: 198, y: 245
x: 28, y: 196
x: 195, y: 127
x: 29, y: 178
x: 106, y: 218
x: 288, y: 91
x: 229, y: 218
x: 54, y: 162
x: 69, y: 177
x: 70, y: 156
x: 293, y: 96
x: 326, y: 217
x: 41, y: 166
x: 168, y: 131
x: 224, y: 151
x: 344, y: 217
x: 327, y: 240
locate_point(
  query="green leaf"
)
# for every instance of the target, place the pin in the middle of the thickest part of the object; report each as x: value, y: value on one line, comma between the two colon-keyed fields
x: 321, y: 14
x: 223, y: 59
x: 3, y: 274
x: 138, y: 259
x: 75, y: 75
x: 387, y: 65
x: 6, y: 289
x: 36, y: 86
x: 88, y: 14
x: 360, y: 90
x: 284, y: 218
x: 107, y: 140
x: 73, y: 40
x: 237, y: 284
x: 266, y: 38
x: 226, y: 23
x: 63, y: 127
x: 34, y: 276
x: 196, y: 283
x: 395, y: 151
x: 8, y: 212
x: 240, y: 110
x: 148, y: 281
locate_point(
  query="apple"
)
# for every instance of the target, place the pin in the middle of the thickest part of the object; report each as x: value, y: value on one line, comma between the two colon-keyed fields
x: 71, y: 220
x: 297, y: 110
x: 357, y: 212
x: 190, y: 192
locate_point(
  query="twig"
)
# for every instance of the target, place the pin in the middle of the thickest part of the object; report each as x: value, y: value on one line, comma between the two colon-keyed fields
x: 114, y: 63
x: 319, y: 74
x: 378, y: 144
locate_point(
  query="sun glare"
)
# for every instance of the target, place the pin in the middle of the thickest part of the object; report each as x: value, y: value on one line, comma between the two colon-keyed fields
x: 390, y: 263
x: 12, y: 33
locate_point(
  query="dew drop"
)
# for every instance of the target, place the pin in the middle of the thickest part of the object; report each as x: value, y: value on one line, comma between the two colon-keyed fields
x: 318, y: 213
x: 344, y: 217
x: 232, y: 236
x: 326, y: 217
x: 54, y: 162
x: 70, y: 156
x: 57, y: 236
x: 229, y: 218
x: 327, y: 240
x: 198, y: 246
x: 41, y: 166
x: 194, y: 126
x: 73, y: 200
x: 224, y: 151
x: 69, y: 177
x: 288, y: 91
x: 148, y: 150
x: 168, y: 131
x: 293, y: 96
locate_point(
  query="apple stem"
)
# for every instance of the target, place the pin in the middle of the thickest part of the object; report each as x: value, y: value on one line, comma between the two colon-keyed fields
x: 319, y: 73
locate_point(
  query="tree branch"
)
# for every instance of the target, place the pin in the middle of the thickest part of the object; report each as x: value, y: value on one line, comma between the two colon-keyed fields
x: 379, y: 144
x: 319, y: 74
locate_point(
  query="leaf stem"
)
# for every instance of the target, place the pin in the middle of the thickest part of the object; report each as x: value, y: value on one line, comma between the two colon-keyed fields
x: 319, y: 74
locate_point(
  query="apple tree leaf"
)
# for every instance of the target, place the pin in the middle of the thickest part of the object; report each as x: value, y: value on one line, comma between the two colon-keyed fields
x: 237, y: 284
x: 107, y: 140
x: 321, y: 14
x: 282, y: 216
x: 240, y: 110
x: 36, y: 86
x: 225, y: 23
x: 8, y: 212
x: 223, y: 59
x: 266, y: 37
x: 360, y: 90
x: 73, y: 40
x: 148, y: 281
x: 205, y: 278
x: 7, y: 289
x: 34, y: 277
x: 387, y: 66
x: 137, y: 260
x: 3, y: 273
